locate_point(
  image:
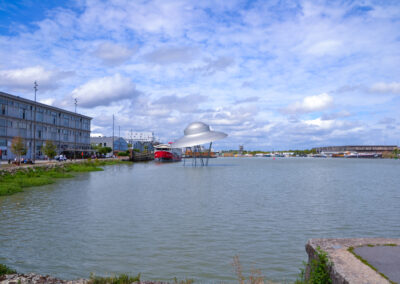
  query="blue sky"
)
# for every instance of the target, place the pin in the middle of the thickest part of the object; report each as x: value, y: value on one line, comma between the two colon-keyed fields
x: 271, y: 74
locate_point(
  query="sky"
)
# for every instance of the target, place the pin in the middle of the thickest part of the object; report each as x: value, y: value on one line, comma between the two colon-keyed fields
x: 273, y: 75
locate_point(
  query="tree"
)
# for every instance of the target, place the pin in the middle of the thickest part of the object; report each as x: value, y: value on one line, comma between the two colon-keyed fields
x: 18, y: 148
x: 49, y: 149
x: 104, y: 150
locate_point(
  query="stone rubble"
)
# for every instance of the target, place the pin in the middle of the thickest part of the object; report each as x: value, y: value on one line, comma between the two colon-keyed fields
x: 33, y: 278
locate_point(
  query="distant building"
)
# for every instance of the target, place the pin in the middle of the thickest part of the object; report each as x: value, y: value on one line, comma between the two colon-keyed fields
x: 117, y: 144
x: 241, y: 149
x: 141, y: 136
x: 67, y: 130
x: 356, y: 148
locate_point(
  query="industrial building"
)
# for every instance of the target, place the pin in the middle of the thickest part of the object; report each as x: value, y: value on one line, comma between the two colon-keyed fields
x: 379, y: 149
x: 67, y: 130
x: 115, y: 143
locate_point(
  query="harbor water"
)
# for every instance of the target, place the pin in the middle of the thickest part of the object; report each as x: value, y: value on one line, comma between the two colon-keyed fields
x: 167, y: 220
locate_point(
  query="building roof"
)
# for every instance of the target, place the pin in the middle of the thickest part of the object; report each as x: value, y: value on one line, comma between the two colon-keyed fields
x: 41, y: 104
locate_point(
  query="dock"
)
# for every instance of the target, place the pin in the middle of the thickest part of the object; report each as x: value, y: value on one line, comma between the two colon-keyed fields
x: 358, y: 260
x: 140, y: 157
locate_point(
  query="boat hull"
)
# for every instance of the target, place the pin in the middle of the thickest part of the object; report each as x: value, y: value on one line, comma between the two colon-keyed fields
x: 165, y: 156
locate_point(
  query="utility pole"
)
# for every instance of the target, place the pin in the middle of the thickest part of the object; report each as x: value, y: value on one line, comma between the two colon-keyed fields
x: 76, y: 104
x: 35, y: 85
x: 113, y: 137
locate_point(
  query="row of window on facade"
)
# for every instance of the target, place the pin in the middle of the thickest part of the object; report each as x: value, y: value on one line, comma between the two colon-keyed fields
x: 25, y: 112
x: 14, y: 128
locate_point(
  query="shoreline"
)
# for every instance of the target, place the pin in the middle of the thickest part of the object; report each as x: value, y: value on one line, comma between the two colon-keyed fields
x: 16, y: 178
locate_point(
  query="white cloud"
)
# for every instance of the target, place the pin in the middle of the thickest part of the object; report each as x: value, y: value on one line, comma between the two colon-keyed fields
x: 170, y: 55
x: 259, y: 49
x: 310, y: 104
x: 212, y: 66
x: 113, y: 54
x: 326, y: 47
x: 104, y: 91
x: 49, y: 101
x: 23, y: 79
x: 392, y: 88
x: 322, y: 124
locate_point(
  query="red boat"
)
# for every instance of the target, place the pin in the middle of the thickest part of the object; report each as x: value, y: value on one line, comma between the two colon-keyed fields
x: 165, y: 153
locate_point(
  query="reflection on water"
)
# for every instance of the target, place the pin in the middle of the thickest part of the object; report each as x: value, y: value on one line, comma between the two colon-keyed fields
x: 169, y: 221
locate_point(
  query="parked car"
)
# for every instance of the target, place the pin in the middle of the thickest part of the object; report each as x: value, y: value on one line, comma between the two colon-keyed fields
x: 60, y: 158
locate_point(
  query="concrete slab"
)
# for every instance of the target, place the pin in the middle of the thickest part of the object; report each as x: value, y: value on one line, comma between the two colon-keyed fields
x: 386, y: 259
x: 346, y: 268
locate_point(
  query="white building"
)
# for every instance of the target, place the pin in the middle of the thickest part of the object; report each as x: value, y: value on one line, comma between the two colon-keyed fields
x: 141, y: 136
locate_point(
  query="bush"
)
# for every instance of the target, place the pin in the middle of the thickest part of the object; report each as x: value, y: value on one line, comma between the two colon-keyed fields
x: 123, y: 154
x: 121, y: 279
x: 6, y: 270
x: 319, y: 269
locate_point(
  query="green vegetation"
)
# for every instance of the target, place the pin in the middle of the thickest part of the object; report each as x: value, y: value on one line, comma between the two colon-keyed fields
x: 121, y: 279
x: 255, y: 276
x: 36, y: 176
x: 49, y: 149
x: 101, y: 150
x: 6, y: 270
x: 18, y: 147
x: 319, y: 269
x: 351, y: 250
x: 123, y: 154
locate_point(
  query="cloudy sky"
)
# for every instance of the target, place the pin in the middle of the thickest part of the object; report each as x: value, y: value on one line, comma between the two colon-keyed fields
x: 271, y: 74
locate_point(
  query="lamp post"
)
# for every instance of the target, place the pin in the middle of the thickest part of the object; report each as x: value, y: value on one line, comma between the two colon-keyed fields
x: 113, y: 137
x: 35, y: 85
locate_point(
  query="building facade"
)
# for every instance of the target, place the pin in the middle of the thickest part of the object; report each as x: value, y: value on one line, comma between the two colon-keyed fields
x: 141, y: 136
x: 117, y: 144
x: 357, y: 148
x: 69, y: 131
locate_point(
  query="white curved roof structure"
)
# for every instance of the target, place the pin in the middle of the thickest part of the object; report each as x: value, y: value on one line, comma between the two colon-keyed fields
x: 197, y: 133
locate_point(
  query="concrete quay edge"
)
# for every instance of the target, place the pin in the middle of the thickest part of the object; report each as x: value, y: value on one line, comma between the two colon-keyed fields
x: 346, y: 268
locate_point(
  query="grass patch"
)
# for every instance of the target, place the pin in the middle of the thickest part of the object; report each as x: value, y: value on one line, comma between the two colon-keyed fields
x: 351, y: 250
x: 4, y: 269
x: 121, y: 279
x: 37, y: 176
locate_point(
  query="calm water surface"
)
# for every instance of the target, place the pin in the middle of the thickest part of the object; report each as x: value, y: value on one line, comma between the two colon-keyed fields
x: 166, y: 220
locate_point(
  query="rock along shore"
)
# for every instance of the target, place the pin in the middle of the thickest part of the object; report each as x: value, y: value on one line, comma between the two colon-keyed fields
x: 40, y: 279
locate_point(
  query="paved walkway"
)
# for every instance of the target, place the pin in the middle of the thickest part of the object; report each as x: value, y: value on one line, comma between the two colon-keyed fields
x: 346, y: 268
x: 386, y: 259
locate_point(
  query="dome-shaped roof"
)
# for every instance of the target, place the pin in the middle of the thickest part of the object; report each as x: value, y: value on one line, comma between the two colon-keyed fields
x: 197, y: 133
x: 196, y: 128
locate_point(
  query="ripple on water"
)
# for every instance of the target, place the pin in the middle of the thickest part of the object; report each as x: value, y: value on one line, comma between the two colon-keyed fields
x: 169, y: 221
